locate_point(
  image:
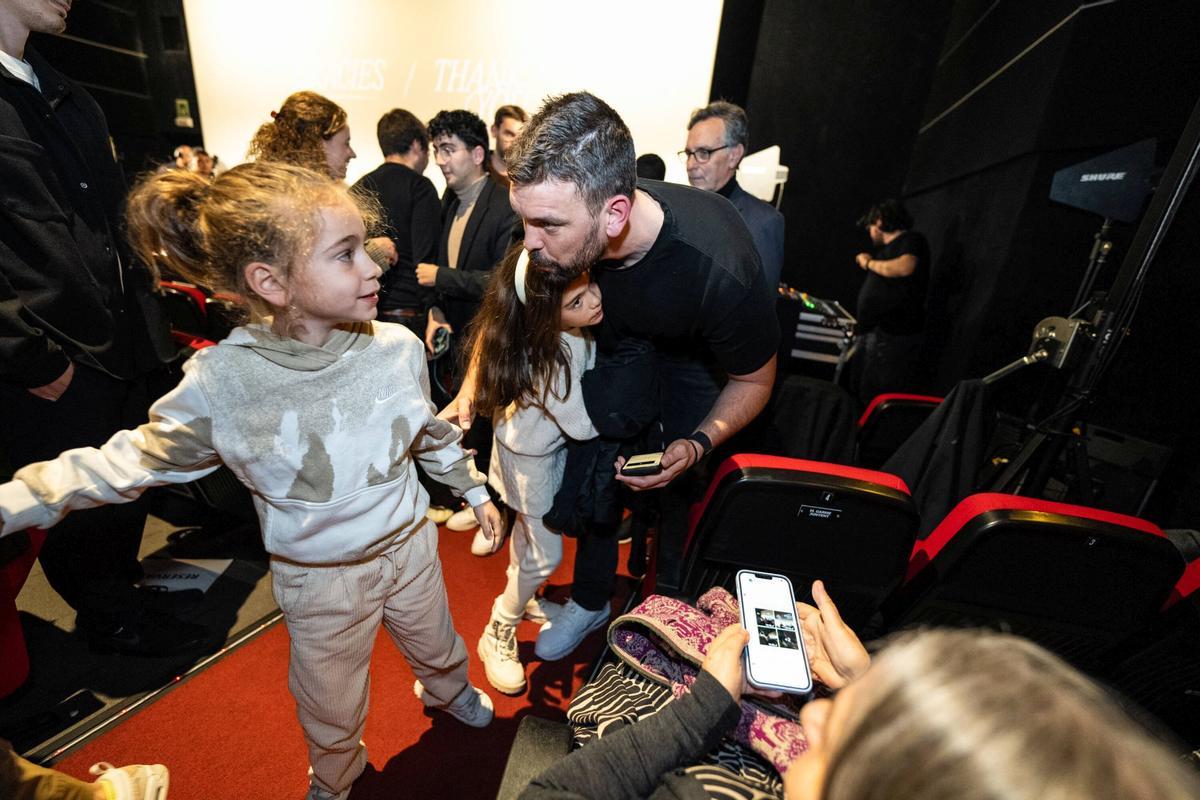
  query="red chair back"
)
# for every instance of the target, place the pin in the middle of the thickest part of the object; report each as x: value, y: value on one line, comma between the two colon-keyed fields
x: 853, y: 528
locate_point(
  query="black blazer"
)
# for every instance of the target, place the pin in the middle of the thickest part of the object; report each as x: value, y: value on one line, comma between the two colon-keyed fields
x: 491, y: 229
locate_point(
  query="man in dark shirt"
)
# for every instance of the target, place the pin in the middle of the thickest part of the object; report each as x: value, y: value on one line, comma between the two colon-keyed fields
x: 81, y: 337
x: 676, y: 267
x: 412, y: 214
x: 891, y: 302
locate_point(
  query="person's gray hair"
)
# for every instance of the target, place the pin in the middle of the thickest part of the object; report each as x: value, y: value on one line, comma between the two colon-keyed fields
x: 576, y: 138
x: 737, y: 129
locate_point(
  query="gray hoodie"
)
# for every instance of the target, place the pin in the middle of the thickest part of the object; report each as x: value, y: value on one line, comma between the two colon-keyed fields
x: 324, y: 437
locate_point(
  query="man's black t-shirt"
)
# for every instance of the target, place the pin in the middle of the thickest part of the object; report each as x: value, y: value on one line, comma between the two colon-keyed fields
x: 413, y: 215
x: 896, y: 305
x: 699, y: 292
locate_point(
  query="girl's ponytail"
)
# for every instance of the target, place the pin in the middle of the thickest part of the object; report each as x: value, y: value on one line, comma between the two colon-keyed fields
x: 163, y: 223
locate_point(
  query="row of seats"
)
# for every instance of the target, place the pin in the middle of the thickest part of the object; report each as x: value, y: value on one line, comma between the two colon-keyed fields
x: 197, y: 315
x: 1094, y: 586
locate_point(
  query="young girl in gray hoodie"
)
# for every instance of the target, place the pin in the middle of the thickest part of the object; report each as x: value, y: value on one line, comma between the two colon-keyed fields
x: 321, y: 412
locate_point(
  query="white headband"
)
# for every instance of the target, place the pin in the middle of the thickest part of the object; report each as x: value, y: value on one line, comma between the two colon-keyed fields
x: 519, y: 275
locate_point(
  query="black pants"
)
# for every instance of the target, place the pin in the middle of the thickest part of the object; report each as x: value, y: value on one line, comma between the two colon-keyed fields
x: 688, y: 391
x: 90, y: 557
x: 889, y: 363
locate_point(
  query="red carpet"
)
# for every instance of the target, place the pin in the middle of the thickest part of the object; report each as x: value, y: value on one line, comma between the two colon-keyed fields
x: 231, y: 731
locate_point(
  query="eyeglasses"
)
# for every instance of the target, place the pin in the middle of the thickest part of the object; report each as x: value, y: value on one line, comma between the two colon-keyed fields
x: 701, y: 154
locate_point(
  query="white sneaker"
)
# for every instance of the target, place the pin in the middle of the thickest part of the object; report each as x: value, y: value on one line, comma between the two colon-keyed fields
x: 462, y: 520
x: 135, y: 782
x: 438, y: 514
x: 541, y: 610
x: 481, y: 545
x: 474, y: 708
x: 561, y: 635
x: 498, y: 651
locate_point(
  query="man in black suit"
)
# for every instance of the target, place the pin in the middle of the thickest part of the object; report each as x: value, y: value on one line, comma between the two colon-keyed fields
x: 477, y: 223
x: 718, y: 136
x: 411, y: 211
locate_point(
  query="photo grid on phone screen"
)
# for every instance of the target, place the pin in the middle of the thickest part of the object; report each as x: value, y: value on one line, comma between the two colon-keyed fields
x: 776, y: 628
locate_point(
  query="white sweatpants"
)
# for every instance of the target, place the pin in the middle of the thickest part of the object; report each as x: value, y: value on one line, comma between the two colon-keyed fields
x: 534, y: 552
x: 332, y: 615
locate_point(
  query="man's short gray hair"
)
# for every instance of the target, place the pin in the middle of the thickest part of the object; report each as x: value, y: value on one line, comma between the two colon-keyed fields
x: 576, y: 138
x: 737, y: 130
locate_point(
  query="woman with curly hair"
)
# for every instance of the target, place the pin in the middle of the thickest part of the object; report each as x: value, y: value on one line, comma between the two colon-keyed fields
x: 308, y: 130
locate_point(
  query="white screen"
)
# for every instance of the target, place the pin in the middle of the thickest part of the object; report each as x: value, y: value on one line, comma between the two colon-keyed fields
x: 652, y: 62
x: 776, y: 650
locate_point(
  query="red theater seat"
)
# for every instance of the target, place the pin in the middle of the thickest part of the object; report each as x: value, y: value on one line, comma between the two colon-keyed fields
x: 851, y: 527
x: 1080, y: 581
x: 14, y: 666
x: 887, y: 423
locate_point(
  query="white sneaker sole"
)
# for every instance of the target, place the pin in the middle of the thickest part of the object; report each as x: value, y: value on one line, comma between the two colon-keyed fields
x: 497, y: 683
x: 556, y: 654
x: 484, y: 700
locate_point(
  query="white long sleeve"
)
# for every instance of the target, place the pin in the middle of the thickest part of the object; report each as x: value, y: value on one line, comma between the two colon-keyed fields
x: 175, y: 446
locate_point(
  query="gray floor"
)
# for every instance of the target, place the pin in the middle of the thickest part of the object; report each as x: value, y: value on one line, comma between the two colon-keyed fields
x: 71, y: 691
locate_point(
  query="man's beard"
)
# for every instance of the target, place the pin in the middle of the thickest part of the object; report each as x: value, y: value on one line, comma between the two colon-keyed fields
x: 583, y: 259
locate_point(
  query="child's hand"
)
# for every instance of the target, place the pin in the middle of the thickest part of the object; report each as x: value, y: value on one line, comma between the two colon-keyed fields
x: 491, y: 522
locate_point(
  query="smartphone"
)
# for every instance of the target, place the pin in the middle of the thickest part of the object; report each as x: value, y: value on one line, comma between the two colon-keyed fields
x: 775, y: 657
x: 645, y: 464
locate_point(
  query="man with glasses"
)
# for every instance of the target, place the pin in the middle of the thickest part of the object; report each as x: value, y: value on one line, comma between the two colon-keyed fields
x: 718, y: 136
x: 477, y: 223
x: 411, y: 212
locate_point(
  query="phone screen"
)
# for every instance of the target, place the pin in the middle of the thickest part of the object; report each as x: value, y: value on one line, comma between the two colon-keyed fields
x: 775, y: 657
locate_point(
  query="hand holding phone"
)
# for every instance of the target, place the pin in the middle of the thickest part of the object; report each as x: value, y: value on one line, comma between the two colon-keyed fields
x: 775, y: 657
x: 644, y: 464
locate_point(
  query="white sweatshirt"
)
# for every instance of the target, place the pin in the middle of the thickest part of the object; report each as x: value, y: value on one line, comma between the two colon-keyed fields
x: 529, y: 445
x: 323, y: 437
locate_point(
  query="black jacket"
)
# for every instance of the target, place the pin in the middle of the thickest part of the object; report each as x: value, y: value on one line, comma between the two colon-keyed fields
x: 68, y: 287
x: 413, y: 216
x: 491, y: 228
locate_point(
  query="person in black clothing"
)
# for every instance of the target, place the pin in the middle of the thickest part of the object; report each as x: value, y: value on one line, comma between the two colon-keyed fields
x: 891, y: 302
x: 681, y: 272
x: 411, y: 212
x: 82, y: 340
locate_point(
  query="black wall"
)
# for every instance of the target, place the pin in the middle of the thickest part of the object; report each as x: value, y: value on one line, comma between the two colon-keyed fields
x: 1026, y: 90
x: 132, y: 56
x: 967, y: 108
x: 840, y: 88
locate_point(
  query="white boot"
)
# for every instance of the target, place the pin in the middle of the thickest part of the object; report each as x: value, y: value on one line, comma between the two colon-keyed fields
x: 498, y: 652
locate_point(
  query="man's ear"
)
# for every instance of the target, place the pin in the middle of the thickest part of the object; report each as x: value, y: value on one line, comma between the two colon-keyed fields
x: 416, y: 148
x: 616, y: 214
x: 737, y: 152
x: 266, y: 282
x: 478, y: 154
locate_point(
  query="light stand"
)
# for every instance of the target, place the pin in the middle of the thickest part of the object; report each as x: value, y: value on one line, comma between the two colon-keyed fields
x: 1086, y: 348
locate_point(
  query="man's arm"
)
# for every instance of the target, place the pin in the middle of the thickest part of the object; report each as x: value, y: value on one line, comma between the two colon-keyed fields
x: 743, y: 397
x: 899, y: 267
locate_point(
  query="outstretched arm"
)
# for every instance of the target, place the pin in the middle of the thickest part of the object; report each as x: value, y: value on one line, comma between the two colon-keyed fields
x: 175, y: 446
